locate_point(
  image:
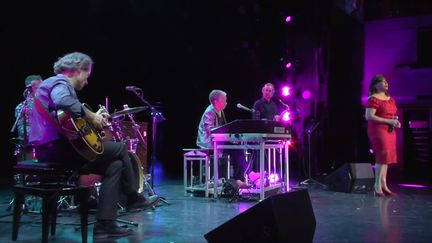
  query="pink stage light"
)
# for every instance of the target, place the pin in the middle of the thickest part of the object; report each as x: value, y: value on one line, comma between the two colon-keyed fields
x: 307, y: 94
x: 274, y: 178
x: 371, y: 151
x: 288, y: 19
x: 413, y: 185
x: 288, y: 65
x: 286, y: 91
x: 286, y: 116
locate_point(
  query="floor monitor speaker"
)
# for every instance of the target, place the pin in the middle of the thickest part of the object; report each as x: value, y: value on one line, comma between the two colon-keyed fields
x: 351, y: 177
x: 286, y: 217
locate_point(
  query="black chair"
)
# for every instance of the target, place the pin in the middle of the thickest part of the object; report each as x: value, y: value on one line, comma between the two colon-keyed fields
x: 49, y: 182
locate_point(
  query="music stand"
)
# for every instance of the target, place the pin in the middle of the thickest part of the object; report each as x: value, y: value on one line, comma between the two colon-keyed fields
x: 310, y: 180
x: 156, y: 115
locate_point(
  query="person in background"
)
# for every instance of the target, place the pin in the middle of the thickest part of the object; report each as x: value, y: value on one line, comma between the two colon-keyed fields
x: 382, y: 121
x: 266, y: 106
x: 23, y: 109
x: 267, y: 110
x: 24, y: 150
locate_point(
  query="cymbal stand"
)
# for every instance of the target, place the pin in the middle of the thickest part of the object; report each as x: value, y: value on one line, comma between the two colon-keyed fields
x: 156, y: 116
x: 136, y: 128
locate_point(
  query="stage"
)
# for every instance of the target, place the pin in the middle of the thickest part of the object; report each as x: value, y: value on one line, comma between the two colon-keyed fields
x: 340, y: 217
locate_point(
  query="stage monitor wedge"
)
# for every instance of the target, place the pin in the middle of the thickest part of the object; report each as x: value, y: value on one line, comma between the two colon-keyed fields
x: 351, y: 177
x: 286, y: 217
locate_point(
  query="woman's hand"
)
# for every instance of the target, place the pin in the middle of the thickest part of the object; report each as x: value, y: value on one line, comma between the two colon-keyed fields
x: 398, y: 124
x: 394, y: 123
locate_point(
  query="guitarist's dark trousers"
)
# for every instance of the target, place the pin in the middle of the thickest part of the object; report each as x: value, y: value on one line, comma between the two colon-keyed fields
x: 113, y: 164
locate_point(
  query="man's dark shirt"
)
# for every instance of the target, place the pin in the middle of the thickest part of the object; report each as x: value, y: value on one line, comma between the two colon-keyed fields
x: 267, y: 109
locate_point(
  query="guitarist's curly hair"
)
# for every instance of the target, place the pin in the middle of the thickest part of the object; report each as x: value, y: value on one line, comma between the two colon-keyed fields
x: 72, y: 61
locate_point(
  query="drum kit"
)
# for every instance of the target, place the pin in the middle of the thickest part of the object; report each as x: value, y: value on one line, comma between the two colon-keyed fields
x: 115, y: 128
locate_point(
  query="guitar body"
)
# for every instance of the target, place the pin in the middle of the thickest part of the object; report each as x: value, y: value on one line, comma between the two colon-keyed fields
x: 88, y: 143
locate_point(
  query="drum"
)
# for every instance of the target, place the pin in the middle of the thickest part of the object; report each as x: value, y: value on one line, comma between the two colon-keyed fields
x: 113, y: 132
x: 93, y: 181
x: 27, y: 153
x: 138, y: 171
x: 23, y: 153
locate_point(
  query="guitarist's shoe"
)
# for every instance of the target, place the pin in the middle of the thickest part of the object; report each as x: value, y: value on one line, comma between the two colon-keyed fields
x: 142, y: 202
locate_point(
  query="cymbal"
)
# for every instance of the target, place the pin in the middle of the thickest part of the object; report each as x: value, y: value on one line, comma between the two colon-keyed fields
x: 128, y: 111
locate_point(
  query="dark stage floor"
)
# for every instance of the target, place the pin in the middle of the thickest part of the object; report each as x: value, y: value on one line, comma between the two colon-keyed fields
x: 340, y: 217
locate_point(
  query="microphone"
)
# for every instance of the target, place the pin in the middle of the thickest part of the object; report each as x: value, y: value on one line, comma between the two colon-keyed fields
x: 240, y: 106
x: 286, y: 106
x: 27, y: 91
x: 391, y: 128
x: 131, y: 88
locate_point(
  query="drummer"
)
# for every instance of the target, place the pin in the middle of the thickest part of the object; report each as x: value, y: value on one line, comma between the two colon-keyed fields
x: 23, y: 109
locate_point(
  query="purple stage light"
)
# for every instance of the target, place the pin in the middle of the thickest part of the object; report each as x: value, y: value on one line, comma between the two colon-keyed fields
x: 274, y: 178
x: 287, y: 142
x: 288, y: 65
x: 288, y: 19
x: 414, y: 185
x: 286, y: 116
x: 307, y: 94
x: 286, y: 91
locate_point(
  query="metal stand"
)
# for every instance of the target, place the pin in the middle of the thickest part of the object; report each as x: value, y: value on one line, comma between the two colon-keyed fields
x: 156, y: 115
x: 309, y: 180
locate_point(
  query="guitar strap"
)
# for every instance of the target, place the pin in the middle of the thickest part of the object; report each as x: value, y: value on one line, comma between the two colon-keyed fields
x: 45, y: 114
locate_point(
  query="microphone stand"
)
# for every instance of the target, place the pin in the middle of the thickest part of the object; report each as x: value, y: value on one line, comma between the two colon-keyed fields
x: 309, y: 180
x: 155, y: 114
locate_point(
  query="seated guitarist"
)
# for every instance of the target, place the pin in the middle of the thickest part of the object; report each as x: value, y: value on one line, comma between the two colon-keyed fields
x: 53, y: 144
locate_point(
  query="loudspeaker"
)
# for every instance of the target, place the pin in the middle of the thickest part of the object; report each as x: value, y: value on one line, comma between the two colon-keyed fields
x: 351, y: 177
x: 286, y: 217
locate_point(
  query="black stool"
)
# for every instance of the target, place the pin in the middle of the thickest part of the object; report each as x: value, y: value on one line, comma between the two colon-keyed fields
x: 50, y: 192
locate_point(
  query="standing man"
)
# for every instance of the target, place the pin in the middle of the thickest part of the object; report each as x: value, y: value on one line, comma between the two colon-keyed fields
x: 58, y: 93
x: 266, y: 107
